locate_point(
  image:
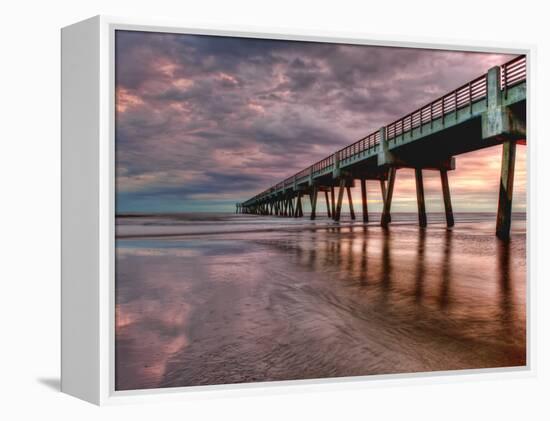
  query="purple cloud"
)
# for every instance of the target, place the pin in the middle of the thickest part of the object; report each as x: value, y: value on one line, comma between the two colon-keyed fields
x: 204, y: 121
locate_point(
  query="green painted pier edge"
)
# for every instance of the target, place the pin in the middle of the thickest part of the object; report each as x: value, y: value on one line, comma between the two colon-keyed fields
x: 487, y: 111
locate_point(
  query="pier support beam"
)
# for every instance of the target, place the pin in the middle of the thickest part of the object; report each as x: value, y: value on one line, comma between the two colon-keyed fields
x: 340, y: 198
x: 422, y: 221
x: 350, y: 202
x: 364, y: 200
x: 329, y: 213
x: 504, y: 213
x: 313, y: 199
x: 383, y: 191
x: 298, y: 210
x: 332, y: 202
x: 447, y: 198
x: 386, y: 214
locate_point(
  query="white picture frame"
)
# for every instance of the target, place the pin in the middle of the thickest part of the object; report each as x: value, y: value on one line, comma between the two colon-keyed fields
x: 88, y: 180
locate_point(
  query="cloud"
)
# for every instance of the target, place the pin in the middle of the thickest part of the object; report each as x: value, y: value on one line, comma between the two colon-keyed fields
x: 201, y: 117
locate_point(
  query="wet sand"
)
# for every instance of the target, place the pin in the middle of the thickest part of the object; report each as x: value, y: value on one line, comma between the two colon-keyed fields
x: 317, y: 302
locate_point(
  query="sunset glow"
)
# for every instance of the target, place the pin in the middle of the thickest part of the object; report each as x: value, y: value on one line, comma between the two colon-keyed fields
x: 204, y: 122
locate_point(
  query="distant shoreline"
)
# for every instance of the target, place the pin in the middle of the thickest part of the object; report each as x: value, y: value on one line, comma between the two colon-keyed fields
x: 175, y: 214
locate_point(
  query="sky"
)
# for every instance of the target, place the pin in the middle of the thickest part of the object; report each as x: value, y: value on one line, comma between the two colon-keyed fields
x: 203, y: 122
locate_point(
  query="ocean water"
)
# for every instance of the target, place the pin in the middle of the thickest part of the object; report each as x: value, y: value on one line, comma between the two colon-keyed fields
x: 206, y: 299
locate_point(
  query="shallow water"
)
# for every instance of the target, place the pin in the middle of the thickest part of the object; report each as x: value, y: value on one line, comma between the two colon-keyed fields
x: 212, y: 299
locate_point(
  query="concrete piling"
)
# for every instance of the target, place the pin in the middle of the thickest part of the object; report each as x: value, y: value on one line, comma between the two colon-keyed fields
x: 386, y: 217
x: 329, y: 213
x: 364, y: 200
x: 350, y: 202
x: 447, y: 198
x: 340, y: 198
x: 383, y: 192
x: 422, y: 221
x: 332, y: 201
x: 298, y: 205
x: 504, y: 213
x: 313, y: 199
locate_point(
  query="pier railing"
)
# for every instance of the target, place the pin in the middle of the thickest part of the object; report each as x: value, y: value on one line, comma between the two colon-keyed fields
x: 453, y: 101
x: 362, y: 145
x: 511, y: 73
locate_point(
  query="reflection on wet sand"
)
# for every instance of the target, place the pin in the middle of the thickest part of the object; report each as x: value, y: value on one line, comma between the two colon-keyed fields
x: 419, y: 290
x: 330, y: 302
x: 444, y: 298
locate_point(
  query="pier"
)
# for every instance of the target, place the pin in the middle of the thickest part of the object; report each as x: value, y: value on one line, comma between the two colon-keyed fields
x: 487, y: 111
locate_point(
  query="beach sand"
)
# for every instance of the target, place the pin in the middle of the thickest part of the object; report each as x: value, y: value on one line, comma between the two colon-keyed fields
x: 313, y: 300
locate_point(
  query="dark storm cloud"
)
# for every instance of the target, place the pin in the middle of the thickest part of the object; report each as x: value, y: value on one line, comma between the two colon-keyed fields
x: 201, y: 117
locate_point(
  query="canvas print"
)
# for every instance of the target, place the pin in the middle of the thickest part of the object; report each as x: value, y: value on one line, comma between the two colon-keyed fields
x: 290, y: 210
